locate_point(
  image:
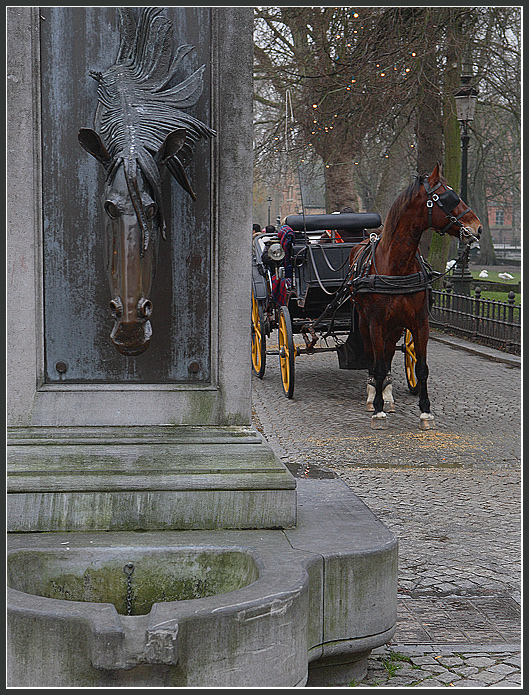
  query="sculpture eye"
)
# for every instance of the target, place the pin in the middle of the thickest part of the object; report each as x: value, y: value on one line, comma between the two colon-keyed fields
x: 111, y: 209
x: 151, y: 210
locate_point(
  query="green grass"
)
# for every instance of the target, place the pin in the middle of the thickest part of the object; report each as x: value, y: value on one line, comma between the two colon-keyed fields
x: 392, y: 663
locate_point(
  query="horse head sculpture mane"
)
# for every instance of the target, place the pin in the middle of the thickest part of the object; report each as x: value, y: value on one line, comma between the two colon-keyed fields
x: 139, y: 128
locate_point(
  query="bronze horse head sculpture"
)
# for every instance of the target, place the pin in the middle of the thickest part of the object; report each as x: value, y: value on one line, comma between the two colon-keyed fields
x: 139, y: 128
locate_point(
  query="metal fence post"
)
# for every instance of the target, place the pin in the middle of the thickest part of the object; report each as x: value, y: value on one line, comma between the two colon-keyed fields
x: 477, y: 304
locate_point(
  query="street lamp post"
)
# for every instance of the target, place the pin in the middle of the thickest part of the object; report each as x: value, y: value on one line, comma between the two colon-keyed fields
x: 269, y: 201
x: 465, y: 99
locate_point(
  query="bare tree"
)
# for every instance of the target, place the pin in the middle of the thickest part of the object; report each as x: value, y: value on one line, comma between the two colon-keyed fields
x: 495, y: 170
x: 335, y: 65
x: 369, y: 91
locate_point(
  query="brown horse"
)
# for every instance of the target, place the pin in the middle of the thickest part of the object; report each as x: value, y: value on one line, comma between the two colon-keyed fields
x: 390, y: 284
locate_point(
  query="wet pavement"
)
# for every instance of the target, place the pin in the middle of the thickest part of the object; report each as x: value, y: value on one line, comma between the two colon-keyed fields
x: 451, y: 495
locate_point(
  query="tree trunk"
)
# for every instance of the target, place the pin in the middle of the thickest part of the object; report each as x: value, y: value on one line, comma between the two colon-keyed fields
x: 429, y: 125
x: 478, y: 201
x: 339, y: 187
x: 439, y: 250
x: 391, y: 183
x: 429, y: 130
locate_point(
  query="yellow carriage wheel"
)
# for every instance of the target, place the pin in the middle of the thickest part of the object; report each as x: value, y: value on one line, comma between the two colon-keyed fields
x: 258, y: 339
x: 410, y: 359
x: 287, y: 351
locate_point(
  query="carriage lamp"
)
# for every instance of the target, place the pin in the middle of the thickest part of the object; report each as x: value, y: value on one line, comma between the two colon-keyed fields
x: 466, y: 98
x: 276, y: 252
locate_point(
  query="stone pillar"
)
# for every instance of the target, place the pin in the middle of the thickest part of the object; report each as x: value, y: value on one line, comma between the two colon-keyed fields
x: 124, y: 456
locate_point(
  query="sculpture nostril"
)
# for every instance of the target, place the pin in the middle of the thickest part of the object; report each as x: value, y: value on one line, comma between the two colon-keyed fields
x: 145, y: 308
x: 116, y: 307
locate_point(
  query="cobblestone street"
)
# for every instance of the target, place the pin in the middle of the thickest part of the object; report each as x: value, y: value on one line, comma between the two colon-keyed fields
x: 450, y: 495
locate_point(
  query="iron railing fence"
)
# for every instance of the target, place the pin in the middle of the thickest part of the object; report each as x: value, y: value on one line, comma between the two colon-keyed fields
x: 487, y: 321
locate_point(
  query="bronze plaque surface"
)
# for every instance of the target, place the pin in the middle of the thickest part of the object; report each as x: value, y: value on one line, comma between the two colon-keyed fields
x: 77, y: 323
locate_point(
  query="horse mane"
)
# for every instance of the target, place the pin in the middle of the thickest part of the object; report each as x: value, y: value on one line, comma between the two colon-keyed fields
x: 401, y: 202
x: 138, y: 107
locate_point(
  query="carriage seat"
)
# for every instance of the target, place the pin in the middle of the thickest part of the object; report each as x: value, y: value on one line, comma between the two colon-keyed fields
x: 347, y: 227
x: 338, y: 236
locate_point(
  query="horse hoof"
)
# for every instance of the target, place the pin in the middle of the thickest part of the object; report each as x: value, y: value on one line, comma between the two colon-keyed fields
x: 427, y: 421
x: 389, y: 406
x: 379, y: 421
x: 370, y: 407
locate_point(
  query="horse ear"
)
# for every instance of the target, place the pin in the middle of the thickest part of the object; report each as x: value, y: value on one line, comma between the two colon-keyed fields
x: 92, y: 143
x: 436, y: 174
x: 171, y: 145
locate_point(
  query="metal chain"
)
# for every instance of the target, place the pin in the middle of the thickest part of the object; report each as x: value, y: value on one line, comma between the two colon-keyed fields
x: 128, y: 570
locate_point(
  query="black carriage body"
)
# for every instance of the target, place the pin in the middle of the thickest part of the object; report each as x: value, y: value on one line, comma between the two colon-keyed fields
x: 319, y: 269
x: 354, y: 222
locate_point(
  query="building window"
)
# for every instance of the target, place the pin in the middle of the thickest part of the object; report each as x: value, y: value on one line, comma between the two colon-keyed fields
x: 500, y: 218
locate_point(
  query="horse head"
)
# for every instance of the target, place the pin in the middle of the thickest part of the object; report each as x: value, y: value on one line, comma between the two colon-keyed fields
x: 139, y: 128
x: 447, y: 213
x: 133, y: 223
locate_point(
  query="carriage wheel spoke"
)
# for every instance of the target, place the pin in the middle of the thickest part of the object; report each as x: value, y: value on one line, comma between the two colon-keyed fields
x: 258, y: 340
x: 286, y: 351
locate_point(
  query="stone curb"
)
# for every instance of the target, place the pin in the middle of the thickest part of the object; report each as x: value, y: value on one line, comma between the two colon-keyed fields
x: 448, y: 648
x: 476, y: 348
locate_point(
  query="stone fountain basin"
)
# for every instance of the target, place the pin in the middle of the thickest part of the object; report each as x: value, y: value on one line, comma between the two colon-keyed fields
x: 222, y: 608
x: 131, y: 579
x: 193, y: 613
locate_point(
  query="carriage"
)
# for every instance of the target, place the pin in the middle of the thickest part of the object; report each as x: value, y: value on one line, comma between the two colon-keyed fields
x: 300, y: 286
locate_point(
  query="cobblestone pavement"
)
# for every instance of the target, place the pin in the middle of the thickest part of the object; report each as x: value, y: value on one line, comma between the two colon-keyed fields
x: 393, y: 668
x: 451, y: 496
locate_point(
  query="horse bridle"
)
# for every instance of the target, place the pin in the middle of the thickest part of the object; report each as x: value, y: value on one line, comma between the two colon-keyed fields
x: 447, y: 201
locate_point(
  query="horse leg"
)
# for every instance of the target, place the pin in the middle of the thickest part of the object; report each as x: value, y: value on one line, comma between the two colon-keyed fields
x: 368, y: 352
x: 387, y: 393
x: 370, y: 391
x: 379, y: 418
x: 420, y: 340
x: 387, y: 386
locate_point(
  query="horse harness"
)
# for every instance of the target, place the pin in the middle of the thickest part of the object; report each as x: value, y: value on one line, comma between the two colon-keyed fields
x: 361, y: 282
x: 447, y: 201
x: 358, y: 279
